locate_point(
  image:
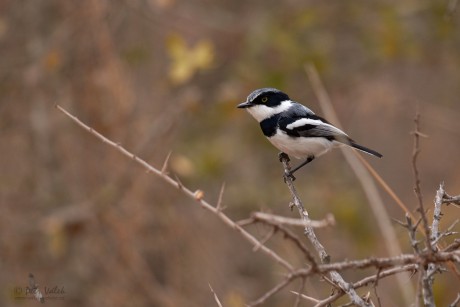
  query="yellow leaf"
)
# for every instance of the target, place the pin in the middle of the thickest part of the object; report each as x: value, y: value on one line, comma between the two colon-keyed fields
x: 185, y: 60
x: 203, y: 54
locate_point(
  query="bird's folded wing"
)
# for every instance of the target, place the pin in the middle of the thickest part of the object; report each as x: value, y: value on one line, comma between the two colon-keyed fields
x: 313, y: 126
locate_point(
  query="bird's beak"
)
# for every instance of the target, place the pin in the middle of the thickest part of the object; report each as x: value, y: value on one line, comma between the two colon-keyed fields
x: 244, y: 105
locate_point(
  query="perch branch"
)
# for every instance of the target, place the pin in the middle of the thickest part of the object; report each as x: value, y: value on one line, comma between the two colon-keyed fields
x: 309, y: 232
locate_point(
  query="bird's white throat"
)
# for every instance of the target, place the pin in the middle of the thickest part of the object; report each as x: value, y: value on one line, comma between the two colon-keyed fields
x: 261, y: 112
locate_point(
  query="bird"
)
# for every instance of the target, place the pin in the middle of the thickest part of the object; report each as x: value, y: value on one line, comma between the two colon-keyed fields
x: 294, y: 129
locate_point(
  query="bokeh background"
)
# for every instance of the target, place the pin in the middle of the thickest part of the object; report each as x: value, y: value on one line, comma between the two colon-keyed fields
x: 162, y: 76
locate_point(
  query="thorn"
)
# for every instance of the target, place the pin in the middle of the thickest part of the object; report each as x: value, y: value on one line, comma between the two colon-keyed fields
x: 367, y: 297
x: 219, y: 304
x: 399, y: 222
x: 165, y: 164
x: 418, y: 133
x: 219, y: 200
x: 178, y: 182
x: 245, y: 222
x: 330, y: 219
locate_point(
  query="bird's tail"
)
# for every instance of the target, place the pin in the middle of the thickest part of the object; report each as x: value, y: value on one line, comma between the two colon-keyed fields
x: 365, y: 149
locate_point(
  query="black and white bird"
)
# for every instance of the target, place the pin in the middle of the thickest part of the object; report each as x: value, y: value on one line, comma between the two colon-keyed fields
x: 295, y: 129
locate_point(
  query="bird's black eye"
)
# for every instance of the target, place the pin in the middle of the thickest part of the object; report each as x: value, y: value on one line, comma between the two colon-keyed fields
x: 264, y: 99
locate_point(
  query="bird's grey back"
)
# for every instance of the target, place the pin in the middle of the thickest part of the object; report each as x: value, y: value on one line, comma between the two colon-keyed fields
x: 298, y: 110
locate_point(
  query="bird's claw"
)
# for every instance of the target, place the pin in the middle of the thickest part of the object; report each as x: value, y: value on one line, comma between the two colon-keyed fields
x: 283, y: 157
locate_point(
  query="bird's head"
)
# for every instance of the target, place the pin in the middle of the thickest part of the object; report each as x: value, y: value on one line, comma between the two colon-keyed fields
x: 266, y: 102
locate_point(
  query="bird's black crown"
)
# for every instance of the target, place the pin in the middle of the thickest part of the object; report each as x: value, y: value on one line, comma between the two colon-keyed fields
x: 270, y: 97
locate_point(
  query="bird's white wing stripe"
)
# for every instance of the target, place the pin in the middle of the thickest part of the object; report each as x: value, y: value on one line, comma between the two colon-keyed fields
x: 304, y: 121
x: 315, y: 122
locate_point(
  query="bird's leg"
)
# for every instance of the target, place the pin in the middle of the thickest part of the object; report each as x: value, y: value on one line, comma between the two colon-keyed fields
x: 292, y: 171
x: 283, y: 157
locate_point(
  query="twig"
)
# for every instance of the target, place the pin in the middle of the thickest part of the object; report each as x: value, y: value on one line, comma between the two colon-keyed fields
x: 366, y: 281
x: 299, y: 295
x: 447, y: 199
x: 215, y: 296
x: 286, y: 281
x: 290, y: 235
x: 388, y: 262
x: 455, y: 245
x: 287, y: 234
x: 219, y: 200
x: 308, y: 298
x: 264, y: 240
x: 384, y: 273
x: 426, y: 277
x: 456, y: 301
x: 417, y: 188
x: 278, y: 259
x: 412, y: 229
x: 164, y: 168
x: 281, y: 220
x: 377, y: 277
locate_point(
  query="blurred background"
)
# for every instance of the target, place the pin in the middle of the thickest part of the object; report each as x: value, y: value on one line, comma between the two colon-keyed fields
x: 162, y: 76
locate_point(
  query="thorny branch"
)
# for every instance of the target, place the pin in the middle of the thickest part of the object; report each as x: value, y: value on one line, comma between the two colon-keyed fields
x: 177, y: 184
x: 417, y: 188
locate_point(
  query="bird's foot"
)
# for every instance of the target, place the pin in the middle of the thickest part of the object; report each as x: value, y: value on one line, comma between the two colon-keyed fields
x: 283, y: 157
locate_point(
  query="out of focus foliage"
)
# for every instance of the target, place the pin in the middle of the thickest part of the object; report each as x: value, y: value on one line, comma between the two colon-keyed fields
x: 165, y: 75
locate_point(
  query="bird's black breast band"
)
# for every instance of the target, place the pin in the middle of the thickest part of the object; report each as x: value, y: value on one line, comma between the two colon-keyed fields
x: 269, y: 125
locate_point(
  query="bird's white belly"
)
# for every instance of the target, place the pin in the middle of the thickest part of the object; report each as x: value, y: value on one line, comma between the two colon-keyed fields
x: 301, y: 147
